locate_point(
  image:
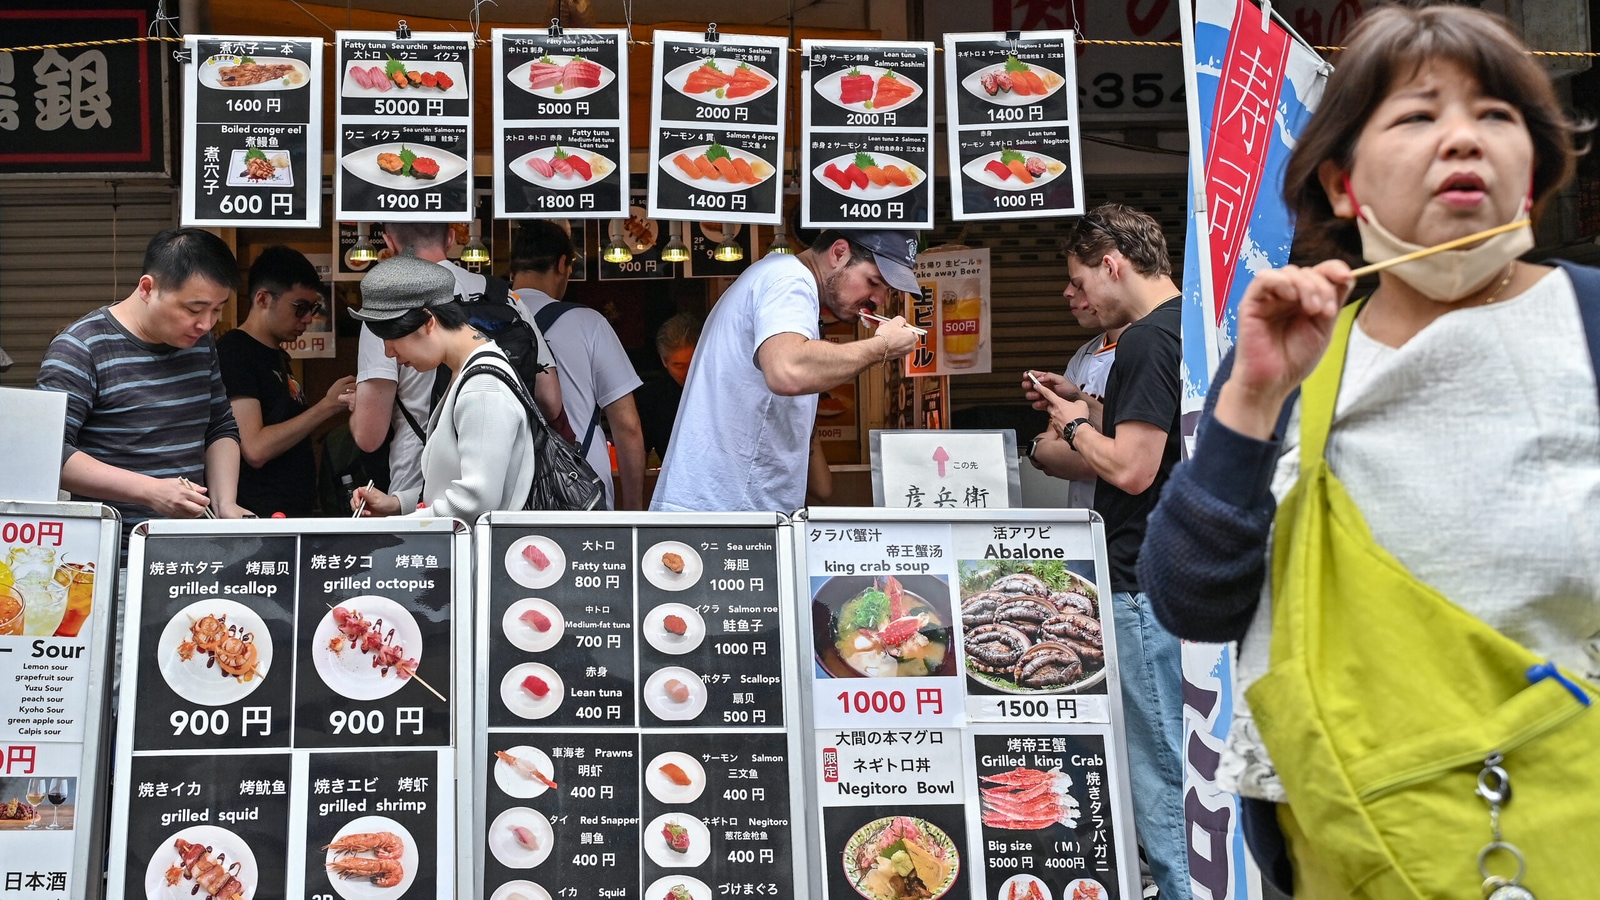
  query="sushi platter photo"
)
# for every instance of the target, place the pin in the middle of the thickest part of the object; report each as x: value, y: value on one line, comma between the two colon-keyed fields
x: 405, y: 167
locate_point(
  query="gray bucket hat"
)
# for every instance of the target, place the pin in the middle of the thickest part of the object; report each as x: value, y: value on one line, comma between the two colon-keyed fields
x: 400, y: 284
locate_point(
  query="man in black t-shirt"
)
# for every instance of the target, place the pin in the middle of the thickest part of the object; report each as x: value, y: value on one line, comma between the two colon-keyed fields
x: 658, y: 400
x: 275, y: 424
x: 1117, y: 258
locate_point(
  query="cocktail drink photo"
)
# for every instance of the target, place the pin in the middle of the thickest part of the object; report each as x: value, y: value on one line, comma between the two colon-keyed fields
x: 33, y: 573
x: 11, y: 611
x: 78, y: 579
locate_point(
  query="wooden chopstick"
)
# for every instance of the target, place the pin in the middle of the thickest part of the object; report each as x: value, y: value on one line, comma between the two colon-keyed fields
x: 205, y: 510
x: 919, y: 332
x: 1439, y: 248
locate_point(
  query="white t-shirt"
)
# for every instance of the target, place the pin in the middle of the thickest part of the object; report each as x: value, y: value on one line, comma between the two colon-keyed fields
x: 736, y: 445
x: 415, y: 389
x: 594, y: 371
x: 1088, y: 369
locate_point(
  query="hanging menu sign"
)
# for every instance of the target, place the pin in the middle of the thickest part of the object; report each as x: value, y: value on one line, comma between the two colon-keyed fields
x: 716, y: 128
x: 966, y: 707
x: 252, y: 114
x: 405, y: 127
x: 866, y: 147
x: 56, y: 621
x: 1012, y: 108
x: 560, y: 123
x: 286, y: 723
x: 635, y: 690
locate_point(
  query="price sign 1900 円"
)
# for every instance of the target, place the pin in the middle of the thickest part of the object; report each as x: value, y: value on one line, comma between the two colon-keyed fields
x: 289, y: 723
x: 404, y: 128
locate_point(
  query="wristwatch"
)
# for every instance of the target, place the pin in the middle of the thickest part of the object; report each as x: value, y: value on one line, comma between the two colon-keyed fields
x: 1072, y: 429
x: 1032, y: 448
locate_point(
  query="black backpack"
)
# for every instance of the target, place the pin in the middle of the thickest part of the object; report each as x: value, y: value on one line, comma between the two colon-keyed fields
x: 562, y: 479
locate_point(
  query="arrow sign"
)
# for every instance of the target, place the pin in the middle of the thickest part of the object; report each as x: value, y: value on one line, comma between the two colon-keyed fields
x: 940, y: 457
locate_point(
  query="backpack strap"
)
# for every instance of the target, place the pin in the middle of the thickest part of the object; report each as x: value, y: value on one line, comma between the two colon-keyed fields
x: 546, y: 317
x: 496, y: 290
x: 412, y: 420
x: 1586, y: 284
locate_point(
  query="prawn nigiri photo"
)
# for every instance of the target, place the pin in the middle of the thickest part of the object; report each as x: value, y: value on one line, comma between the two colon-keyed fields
x: 525, y: 768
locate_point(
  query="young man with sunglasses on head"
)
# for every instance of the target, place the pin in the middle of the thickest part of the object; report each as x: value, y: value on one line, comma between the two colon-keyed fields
x: 275, y: 422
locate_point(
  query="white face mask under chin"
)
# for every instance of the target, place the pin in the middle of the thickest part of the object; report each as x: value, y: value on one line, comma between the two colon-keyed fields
x: 1449, y: 275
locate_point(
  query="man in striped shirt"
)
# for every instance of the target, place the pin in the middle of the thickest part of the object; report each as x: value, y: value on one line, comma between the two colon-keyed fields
x: 146, y: 408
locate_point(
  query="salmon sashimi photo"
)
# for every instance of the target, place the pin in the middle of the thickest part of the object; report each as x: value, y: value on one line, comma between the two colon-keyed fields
x: 864, y: 172
x: 706, y: 78
x: 717, y: 164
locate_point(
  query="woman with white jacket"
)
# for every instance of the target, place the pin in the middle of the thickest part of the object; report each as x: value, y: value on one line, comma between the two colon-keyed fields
x: 479, y: 452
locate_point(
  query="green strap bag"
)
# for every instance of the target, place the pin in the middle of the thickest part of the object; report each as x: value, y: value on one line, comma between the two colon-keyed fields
x: 1384, y: 701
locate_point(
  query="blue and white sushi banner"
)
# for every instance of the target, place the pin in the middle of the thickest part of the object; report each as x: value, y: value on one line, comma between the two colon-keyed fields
x: 1252, y: 86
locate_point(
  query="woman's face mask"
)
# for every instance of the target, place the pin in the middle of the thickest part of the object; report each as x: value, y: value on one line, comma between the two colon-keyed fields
x: 1449, y: 275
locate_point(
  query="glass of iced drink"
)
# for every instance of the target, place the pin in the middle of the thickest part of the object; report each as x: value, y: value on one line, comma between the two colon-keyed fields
x: 962, y: 312
x: 78, y: 579
x: 34, y: 572
x: 11, y: 608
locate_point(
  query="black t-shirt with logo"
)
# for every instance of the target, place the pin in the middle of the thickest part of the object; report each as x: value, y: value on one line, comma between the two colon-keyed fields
x: 287, y: 483
x: 1145, y: 385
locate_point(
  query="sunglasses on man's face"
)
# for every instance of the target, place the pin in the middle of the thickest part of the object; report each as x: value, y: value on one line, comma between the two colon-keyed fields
x: 305, y: 308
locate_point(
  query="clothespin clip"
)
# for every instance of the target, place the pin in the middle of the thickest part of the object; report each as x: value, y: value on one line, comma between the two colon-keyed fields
x: 1266, y: 15
x: 555, y: 28
x: 711, y: 34
x: 1013, y: 37
x: 402, y: 31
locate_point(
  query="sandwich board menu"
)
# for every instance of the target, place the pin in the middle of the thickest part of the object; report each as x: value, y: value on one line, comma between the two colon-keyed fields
x: 636, y: 702
x: 404, y: 127
x: 252, y: 114
x: 965, y: 704
x: 561, y: 123
x: 58, y: 564
x: 1012, y: 106
x: 716, y: 127
x: 866, y: 143
x: 287, y: 721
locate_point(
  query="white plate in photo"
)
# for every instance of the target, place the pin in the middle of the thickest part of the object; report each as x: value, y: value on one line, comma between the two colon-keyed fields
x: 364, y: 165
x: 526, y: 888
x: 977, y: 172
x: 1092, y: 890
x: 829, y: 87
x: 656, y: 572
x: 362, y: 888
x: 350, y: 672
x: 663, y: 886
x: 974, y: 85
x: 522, y: 570
x: 522, y: 633
x: 520, y: 701
x: 599, y: 168
x: 520, y: 77
x: 513, y: 782
x: 762, y: 172
x: 655, y: 694
x: 458, y: 78
x: 668, y: 791
x: 297, y: 76
x: 655, y: 628
x: 678, y: 77
x: 512, y: 853
x: 1023, y: 882
x: 871, y: 191
x: 224, y: 844
x: 198, y: 679
x: 655, y: 841
x: 282, y: 175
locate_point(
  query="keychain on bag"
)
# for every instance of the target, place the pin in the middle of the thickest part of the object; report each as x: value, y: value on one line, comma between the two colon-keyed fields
x: 1494, y: 786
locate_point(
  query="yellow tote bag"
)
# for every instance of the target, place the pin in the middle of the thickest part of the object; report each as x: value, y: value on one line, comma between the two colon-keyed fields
x: 1384, y: 699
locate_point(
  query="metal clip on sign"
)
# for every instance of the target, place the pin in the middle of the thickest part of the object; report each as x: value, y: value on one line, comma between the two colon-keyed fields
x: 1013, y: 37
x: 711, y: 34
x: 402, y: 31
x: 555, y: 28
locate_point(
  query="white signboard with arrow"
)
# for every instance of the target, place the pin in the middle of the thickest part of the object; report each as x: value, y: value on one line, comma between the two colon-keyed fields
x: 945, y: 469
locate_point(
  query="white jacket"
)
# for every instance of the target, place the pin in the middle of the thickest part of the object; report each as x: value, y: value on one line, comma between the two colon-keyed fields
x: 479, y: 453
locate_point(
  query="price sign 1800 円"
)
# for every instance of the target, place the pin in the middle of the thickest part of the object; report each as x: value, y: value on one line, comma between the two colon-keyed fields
x: 404, y: 127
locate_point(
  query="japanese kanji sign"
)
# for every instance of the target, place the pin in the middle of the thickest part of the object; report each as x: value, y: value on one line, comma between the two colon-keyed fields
x: 953, y: 308
x: 252, y: 114
x: 77, y: 110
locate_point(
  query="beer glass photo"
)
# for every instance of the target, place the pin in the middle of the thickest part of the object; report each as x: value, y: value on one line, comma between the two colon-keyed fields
x: 961, y: 312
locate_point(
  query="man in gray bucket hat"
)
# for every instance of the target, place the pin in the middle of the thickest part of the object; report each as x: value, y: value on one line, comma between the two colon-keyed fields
x: 744, y: 425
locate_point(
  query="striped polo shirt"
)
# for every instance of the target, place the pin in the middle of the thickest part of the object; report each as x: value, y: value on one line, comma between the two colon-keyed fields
x: 148, y: 408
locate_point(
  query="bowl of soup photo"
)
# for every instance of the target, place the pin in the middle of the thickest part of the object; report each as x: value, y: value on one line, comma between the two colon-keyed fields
x: 883, y: 627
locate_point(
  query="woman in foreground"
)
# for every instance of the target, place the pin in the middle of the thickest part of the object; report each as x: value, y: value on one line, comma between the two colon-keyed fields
x: 1395, y: 507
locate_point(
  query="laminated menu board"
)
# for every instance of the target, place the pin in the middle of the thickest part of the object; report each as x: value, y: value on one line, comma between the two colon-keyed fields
x: 716, y: 128
x: 965, y: 706
x: 404, y: 144
x: 866, y: 143
x: 1011, y: 104
x: 560, y: 123
x: 58, y: 566
x: 637, y: 703
x: 252, y: 119
x: 288, y: 718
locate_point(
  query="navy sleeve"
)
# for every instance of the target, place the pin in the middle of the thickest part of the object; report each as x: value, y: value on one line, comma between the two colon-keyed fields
x: 1204, y: 556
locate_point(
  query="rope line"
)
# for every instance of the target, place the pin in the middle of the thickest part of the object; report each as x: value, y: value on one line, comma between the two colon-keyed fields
x: 484, y: 42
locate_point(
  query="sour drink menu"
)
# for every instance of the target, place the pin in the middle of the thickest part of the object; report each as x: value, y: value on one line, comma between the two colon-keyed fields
x: 635, y: 683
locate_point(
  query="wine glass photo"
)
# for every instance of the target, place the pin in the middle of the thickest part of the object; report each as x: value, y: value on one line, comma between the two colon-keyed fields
x: 57, y: 795
x: 35, y: 797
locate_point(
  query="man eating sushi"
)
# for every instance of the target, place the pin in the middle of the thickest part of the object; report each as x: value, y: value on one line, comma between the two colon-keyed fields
x: 749, y: 403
